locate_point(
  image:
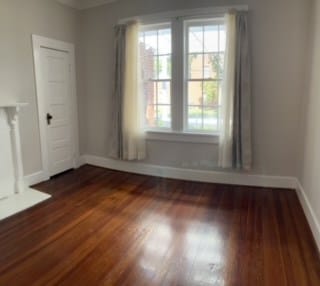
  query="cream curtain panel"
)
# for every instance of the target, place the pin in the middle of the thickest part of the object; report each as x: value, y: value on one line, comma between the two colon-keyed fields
x: 128, y: 137
x: 235, y: 138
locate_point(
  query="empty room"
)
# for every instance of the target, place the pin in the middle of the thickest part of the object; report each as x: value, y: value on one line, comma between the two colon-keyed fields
x: 172, y: 142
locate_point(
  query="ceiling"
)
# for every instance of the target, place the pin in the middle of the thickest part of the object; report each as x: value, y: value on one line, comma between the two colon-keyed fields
x: 84, y: 4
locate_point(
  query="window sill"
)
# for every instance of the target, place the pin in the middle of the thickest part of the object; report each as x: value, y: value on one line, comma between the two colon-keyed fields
x: 187, y: 137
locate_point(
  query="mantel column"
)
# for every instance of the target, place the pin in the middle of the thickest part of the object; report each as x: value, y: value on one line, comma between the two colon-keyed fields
x: 16, y: 147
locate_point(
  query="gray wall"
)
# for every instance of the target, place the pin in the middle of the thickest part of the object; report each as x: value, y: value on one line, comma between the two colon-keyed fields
x: 18, y: 20
x: 278, y: 34
x: 310, y: 157
x: 278, y: 47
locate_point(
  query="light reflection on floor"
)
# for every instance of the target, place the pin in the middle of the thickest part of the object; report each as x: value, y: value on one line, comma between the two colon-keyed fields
x: 209, y: 257
x: 156, y: 246
x: 201, y: 245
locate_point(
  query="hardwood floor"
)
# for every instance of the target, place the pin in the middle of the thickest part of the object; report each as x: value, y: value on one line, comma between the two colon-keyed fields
x: 104, y: 227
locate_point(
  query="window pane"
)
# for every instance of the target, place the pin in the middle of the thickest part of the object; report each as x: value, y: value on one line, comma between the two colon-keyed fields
x: 195, y: 93
x: 164, y: 41
x: 220, y: 92
x: 212, y: 66
x: 141, y: 37
x: 211, y: 38
x: 151, y: 41
x: 151, y: 116
x: 164, y: 67
x: 150, y: 92
x: 147, y: 62
x: 210, y: 93
x: 156, y: 67
x: 221, y: 65
x: 164, y: 116
x: 210, y: 119
x: 195, y: 118
x: 196, y: 39
x: 222, y: 43
x: 195, y: 66
x: 164, y: 91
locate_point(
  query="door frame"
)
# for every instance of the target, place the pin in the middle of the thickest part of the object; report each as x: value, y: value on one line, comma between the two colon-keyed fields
x: 39, y: 42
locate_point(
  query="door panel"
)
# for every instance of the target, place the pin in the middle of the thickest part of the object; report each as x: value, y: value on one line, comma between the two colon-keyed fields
x: 57, y: 92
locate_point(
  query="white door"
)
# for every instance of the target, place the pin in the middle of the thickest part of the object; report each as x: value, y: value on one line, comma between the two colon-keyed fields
x: 56, y: 87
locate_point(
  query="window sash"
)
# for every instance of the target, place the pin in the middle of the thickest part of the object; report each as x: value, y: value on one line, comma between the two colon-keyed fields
x: 155, y: 78
x: 187, y: 25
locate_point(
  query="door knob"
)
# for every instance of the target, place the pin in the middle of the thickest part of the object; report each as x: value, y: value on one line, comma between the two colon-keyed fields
x: 49, y: 117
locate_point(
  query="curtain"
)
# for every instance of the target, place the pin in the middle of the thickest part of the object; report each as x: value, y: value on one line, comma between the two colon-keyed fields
x: 228, y: 88
x: 127, y: 135
x: 235, y: 139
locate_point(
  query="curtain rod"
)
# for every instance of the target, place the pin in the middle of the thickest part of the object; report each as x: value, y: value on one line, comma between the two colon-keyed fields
x: 208, y: 11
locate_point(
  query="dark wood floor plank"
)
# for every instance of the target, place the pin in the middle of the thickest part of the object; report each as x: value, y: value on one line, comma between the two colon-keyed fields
x: 290, y: 242
x: 115, y: 236
x: 38, y: 239
x: 100, y: 237
x: 161, y: 250
x: 104, y: 227
x: 274, y: 268
x: 307, y: 246
x: 120, y: 272
x: 255, y: 273
x: 208, y: 261
x: 71, y: 235
x: 72, y: 183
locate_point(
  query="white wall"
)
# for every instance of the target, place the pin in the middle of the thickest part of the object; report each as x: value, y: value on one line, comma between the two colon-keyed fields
x: 18, y: 20
x: 278, y: 35
x: 309, y: 173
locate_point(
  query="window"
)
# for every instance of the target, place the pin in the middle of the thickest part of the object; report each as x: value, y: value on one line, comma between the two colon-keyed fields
x: 155, y: 51
x: 205, y: 55
x: 193, y: 51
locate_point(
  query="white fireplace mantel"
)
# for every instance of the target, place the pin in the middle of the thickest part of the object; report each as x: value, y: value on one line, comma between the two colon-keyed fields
x: 12, y: 104
x: 14, y: 195
x: 9, y: 125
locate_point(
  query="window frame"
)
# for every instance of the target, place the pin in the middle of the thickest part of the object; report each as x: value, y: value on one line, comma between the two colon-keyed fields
x: 178, y: 133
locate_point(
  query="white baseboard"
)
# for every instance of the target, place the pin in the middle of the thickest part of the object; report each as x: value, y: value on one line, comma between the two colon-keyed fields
x: 309, y: 212
x: 41, y: 176
x: 35, y: 178
x: 193, y: 175
x: 80, y: 161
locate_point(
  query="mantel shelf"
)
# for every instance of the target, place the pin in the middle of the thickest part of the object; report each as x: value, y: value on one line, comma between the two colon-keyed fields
x: 12, y: 104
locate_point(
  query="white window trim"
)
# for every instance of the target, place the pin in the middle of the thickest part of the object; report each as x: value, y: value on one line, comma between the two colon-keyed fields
x: 190, y: 13
x: 156, y: 26
x: 177, y: 133
x: 172, y: 136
